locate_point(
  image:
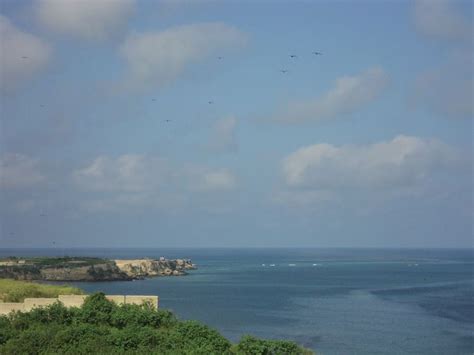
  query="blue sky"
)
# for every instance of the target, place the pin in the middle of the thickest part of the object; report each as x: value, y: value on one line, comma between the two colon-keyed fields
x: 108, y: 136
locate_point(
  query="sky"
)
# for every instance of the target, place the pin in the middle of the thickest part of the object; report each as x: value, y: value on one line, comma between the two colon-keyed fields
x: 179, y: 123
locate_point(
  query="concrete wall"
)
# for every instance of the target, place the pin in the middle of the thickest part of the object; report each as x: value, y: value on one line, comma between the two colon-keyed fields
x: 6, y: 308
x: 72, y: 301
x: 142, y: 299
x: 31, y: 303
x: 119, y: 299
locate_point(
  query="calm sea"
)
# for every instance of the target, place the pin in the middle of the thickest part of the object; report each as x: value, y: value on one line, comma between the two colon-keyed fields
x: 336, y: 301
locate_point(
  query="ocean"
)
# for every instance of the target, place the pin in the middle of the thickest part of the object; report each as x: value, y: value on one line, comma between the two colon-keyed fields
x: 335, y: 301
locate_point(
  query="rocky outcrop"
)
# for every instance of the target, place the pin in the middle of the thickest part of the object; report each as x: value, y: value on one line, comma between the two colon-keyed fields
x: 140, y: 268
x: 97, y: 272
x: 91, y: 269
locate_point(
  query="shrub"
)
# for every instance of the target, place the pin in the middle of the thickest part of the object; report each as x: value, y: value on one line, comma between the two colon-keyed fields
x: 103, y: 327
x: 201, y: 338
x: 97, y: 309
x: 141, y: 315
x: 254, y: 346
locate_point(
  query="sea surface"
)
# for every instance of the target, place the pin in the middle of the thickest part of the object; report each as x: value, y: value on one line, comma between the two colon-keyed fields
x: 335, y: 301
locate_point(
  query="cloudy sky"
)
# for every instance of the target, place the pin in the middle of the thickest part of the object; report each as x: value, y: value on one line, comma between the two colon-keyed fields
x: 187, y: 123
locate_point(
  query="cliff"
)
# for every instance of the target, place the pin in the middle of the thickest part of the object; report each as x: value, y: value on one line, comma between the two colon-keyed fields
x: 90, y: 269
x: 139, y: 268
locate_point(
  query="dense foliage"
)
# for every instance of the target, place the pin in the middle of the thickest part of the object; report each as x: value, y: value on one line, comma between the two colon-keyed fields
x: 102, y: 327
x: 17, y: 291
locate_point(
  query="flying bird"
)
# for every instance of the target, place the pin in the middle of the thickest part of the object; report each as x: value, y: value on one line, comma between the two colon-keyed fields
x: 317, y: 53
x: 220, y: 57
x: 293, y: 56
x: 167, y: 120
x: 210, y: 102
x: 284, y: 71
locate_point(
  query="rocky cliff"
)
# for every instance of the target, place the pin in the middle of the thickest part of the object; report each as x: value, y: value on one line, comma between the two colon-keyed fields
x: 90, y: 269
x: 139, y: 268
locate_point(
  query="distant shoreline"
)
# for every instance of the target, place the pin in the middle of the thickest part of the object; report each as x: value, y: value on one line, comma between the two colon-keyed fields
x: 80, y: 268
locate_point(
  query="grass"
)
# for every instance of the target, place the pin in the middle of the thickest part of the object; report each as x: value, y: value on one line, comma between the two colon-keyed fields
x: 17, y: 291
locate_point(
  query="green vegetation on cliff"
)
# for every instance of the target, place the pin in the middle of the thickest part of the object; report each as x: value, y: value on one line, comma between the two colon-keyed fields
x: 102, y: 327
x: 17, y: 291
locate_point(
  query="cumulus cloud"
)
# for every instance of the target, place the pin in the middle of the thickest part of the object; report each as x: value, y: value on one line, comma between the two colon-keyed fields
x: 157, y: 58
x: 87, y: 19
x: 441, y: 19
x: 22, y: 55
x: 350, y: 93
x: 126, y: 173
x: 213, y: 180
x: 447, y: 90
x: 403, y: 161
x: 19, y: 171
x: 223, y: 135
x: 135, y: 180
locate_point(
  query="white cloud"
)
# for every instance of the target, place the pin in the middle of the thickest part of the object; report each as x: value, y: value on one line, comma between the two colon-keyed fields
x: 223, y: 135
x: 22, y: 55
x: 19, y: 171
x: 441, y: 19
x: 447, y: 90
x: 216, y: 180
x: 87, y: 19
x: 157, y: 58
x: 402, y: 162
x: 349, y: 94
x: 127, y: 173
x: 131, y: 181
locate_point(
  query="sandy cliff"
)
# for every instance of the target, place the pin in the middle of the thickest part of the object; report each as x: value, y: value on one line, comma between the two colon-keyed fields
x: 138, y: 268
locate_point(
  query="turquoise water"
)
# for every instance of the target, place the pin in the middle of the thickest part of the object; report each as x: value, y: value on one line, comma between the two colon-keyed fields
x: 336, y: 301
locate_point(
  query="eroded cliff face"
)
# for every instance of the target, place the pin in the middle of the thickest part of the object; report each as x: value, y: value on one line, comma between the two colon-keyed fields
x: 76, y: 269
x: 139, y: 268
x: 98, y: 272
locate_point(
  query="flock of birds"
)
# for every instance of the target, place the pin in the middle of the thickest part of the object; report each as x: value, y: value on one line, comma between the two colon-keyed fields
x: 284, y: 71
x: 294, y: 56
x: 210, y: 102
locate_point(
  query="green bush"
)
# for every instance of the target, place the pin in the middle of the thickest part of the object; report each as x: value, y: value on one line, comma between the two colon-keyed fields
x: 201, y: 338
x: 97, y: 309
x: 143, y: 315
x: 103, y: 327
x: 254, y: 346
